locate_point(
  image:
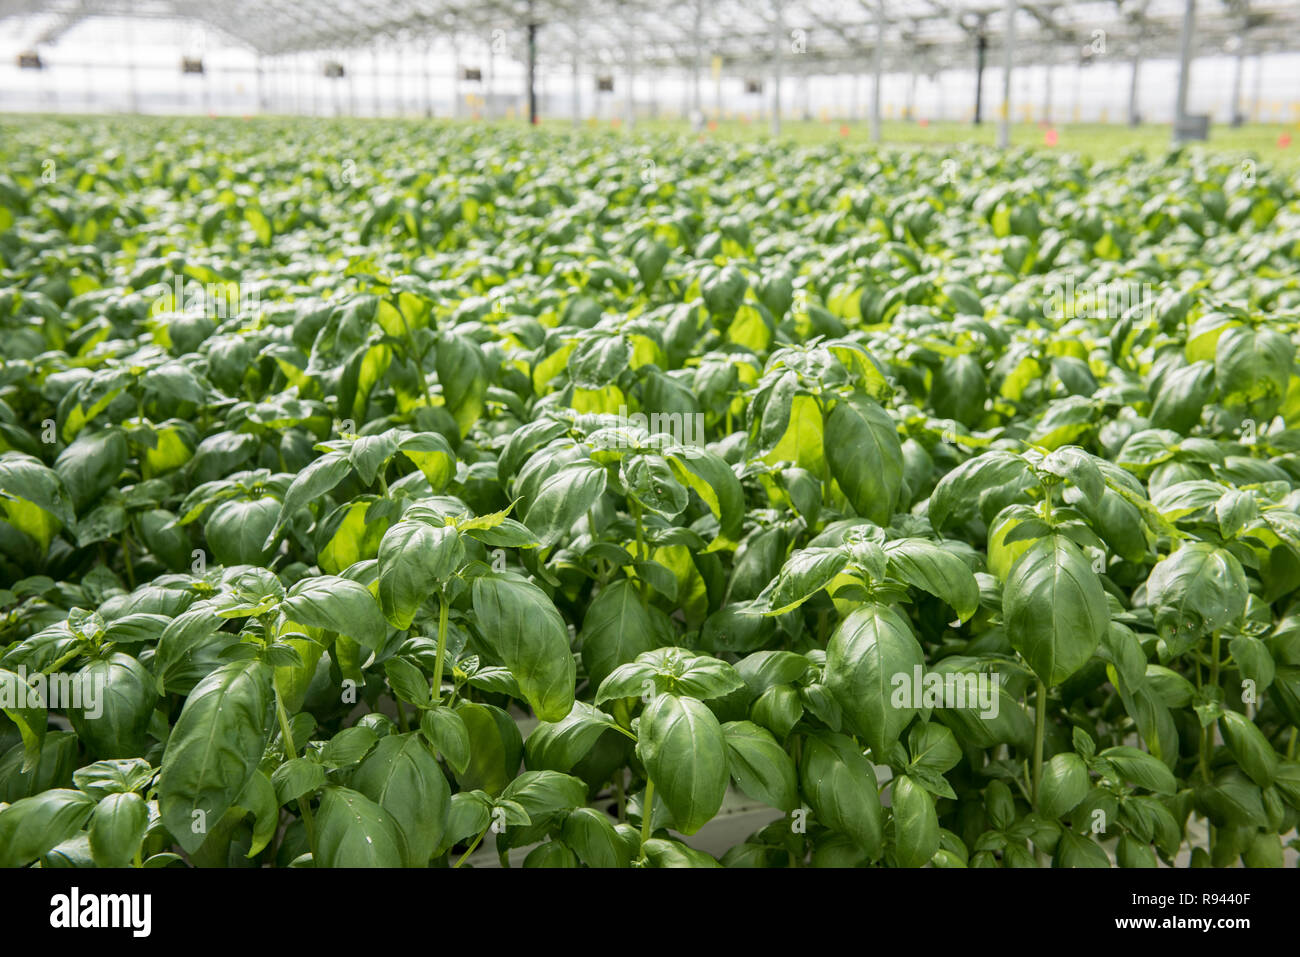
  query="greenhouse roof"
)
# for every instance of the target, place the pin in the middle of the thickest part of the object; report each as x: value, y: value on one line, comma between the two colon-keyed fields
x: 828, y: 35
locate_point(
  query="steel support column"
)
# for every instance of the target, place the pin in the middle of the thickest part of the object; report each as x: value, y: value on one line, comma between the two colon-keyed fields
x: 981, y: 50
x: 1008, y: 61
x: 1184, y: 67
x: 1255, y: 112
x: 532, y: 66
x: 877, y: 70
x: 577, y: 91
x: 1047, y: 94
x: 1140, y: 21
x: 717, y: 94
x: 697, y: 112
x: 457, y: 95
x: 133, y: 91
x: 778, y: 54
x: 629, y: 103
x: 427, y: 81
x: 1135, y: 117
x: 1236, y: 114
x: 490, y: 90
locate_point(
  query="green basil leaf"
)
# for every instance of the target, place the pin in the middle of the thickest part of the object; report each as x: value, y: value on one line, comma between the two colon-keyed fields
x: 1250, y: 747
x: 402, y: 777
x: 865, y: 456
x: 562, y: 499
x: 660, y: 852
x: 916, y: 825
x: 23, y: 705
x: 840, y: 786
x: 337, y: 604
x: 806, y: 573
x: 214, y: 749
x: 618, y: 626
x: 445, y: 730
x: 1141, y: 768
x: 684, y: 752
x: 560, y: 745
x: 415, y: 559
x: 760, y: 766
x: 117, y: 827
x: 348, y: 746
x: 1199, y: 588
x: 936, y: 570
x: 869, y: 654
x: 297, y: 777
x: 313, y: 483
x: 594, y: 839
x: 1064, y: 784
x: 710, y: 477
x: 407, y: 681
x: 1054, y: 609
x: 522, y: 626
x: 32, y: 825
x: 354, y: 831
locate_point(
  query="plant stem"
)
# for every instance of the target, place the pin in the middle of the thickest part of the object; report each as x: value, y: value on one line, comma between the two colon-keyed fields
x: 472, y: 847
x: 625, y: 732
x: 291, y: 752
x: 63, y: 661
x: 442, y: 648
x: 126, y: 557
x: 642, y: 587
x: 1214, y: 659
x: 1040, y: 728
x: 1203, y: 758
x: 620, y: 795
x: 640, y: 531
x: 602, y: 569
x: 1207, y: 735
x: 647, y: 812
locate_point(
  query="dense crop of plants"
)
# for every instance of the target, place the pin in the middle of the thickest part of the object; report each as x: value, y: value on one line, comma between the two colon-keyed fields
x: 391, y: 496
